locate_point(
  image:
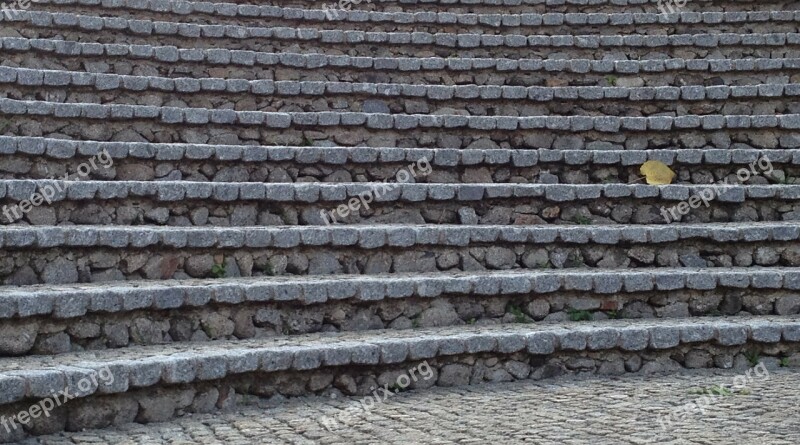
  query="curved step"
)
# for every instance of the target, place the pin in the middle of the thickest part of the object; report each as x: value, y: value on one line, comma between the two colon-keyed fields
x: 174, y: 296
x: 65, y: 150
x: 168, y: 202
x: 353, y: 96
x: 505, y: 4
x: 486, y: 418
x: 124, y: 382
x: 386, y: 235
x: 70, y: 254
x: 109, y: 82
x: 381, y: 121
x: 41, y: 158
x: 251, y: 38
x: 56, y: 319
x: 239, y: 60
x: 175, y: 191
x: 377, y: 129
x: 78, y: 300
x: 282, y: 16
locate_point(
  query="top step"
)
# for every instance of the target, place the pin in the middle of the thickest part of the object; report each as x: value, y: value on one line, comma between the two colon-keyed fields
x: 504, y: 5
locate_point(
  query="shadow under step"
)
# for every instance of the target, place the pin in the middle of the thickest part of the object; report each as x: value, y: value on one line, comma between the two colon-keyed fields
x: 57, y: 319
x: 156, y: 383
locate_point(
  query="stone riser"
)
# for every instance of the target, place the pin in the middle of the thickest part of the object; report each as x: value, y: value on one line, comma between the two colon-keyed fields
x: 94, y: 87
x: 59, y: 302
x: 407, y: 50
x: 526, y: 7
x: 121, y: 66
x: 239, y: 25
x: 673, y: 27
x: 411, y: 105
x: 94, y: 331
x: 521, y: 211
x: 100, y: 264
x: 154, y: 131
x: 148, y: 368
x: 225, y: 11
x: 132, y: 169
x: 202, y: 268
x: 162, y: 403
x: 532, y: 249
x: 481, y: 154
x: 415, y: 70
x: 488, y: 7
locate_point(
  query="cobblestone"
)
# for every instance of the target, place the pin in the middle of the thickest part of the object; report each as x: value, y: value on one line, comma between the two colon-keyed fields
x: 622, y: 410
x: 198, y: 270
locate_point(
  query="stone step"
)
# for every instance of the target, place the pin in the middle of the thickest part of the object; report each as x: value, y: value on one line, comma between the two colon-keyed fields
x: 65, y: 150
x: 27, y: 77
x: 198, y: 6
x: 206, y: 204
x: 386, y: 121
x: 404, y: 43
x: 470, y: 271
x: 437, y: 7
x: 44, y: 158
x: 70, y: 254
x: 155, y: 383
x: 182, y: 203
x: 538, y: 23
x: 506, y: 5
x: 482, y: 413
x: 265, y: 95
x: 167, y: 124
x: 203, y: 125
x: 205, y: 63
x: 170, y: 203
x: 536, y: 5
x: 56, y: 319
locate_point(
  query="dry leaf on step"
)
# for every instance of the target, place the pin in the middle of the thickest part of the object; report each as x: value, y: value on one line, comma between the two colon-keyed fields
x: 657, y: 173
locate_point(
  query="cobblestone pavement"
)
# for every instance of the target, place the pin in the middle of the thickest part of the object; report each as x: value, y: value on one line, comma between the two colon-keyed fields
x: 567, y: 411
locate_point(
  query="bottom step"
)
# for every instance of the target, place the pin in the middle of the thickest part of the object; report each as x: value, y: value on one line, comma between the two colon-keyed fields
x: 682, y: 408
x: 45, y: 394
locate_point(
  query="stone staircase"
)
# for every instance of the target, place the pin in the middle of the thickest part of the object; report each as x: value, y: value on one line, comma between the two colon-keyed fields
x: 202, y: 202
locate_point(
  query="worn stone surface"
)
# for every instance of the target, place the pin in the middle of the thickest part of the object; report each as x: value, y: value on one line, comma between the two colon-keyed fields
x: 764, y: 406
x: 464, y: 176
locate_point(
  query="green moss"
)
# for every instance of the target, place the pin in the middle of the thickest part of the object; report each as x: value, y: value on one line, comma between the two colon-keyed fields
x: 218, y: 271
x: 519, y: 316
x: 576, y: 315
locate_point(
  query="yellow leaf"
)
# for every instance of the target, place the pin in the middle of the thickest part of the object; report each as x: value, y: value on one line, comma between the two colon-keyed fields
x: 657, y: 173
